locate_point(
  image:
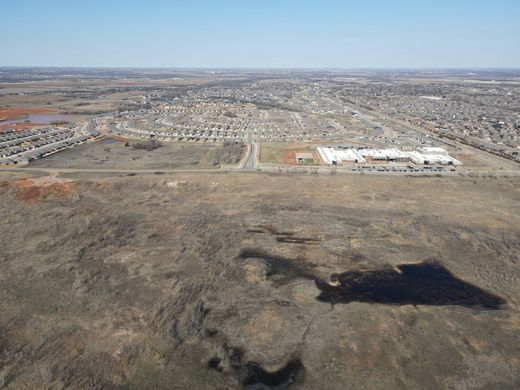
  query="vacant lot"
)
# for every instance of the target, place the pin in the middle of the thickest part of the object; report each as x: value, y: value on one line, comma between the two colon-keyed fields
x: 204, y: 281
x: 284, y: 152
x: 471, y: 160
x: 113, y: 154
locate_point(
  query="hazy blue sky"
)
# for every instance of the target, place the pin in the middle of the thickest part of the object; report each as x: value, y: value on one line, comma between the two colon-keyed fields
x: 261, y: 33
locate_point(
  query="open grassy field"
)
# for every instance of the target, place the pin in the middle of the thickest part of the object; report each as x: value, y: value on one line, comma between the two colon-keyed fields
x: 216, y: 281
x: 113, y: 154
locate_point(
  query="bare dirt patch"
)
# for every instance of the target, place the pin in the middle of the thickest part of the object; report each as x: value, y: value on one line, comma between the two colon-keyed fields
x: 289, y: 158
x: 31, y: 190
x: 289, y: 155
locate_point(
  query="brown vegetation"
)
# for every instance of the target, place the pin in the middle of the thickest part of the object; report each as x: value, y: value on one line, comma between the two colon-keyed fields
x: 147, y: 145
x: 229, y: 153
x: 182, y: 281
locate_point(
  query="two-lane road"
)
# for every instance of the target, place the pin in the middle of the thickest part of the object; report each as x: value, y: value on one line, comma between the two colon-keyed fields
x: 250, y: 159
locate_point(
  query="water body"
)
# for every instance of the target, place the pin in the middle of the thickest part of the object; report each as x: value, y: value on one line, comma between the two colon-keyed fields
x: 260, y: 379
x: 41, y: 119
x: 410, y: 284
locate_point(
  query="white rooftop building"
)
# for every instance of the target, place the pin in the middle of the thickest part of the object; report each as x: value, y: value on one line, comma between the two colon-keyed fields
x: 352, y: 155
x: 432, y: 150
x: 423, y: 156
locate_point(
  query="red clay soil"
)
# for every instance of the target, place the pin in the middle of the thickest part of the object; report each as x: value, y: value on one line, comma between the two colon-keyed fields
x: 13, y: 113
x: 317, y: 159
x: 28, y: 190
x: 8, y: 113
x: 289, y: 158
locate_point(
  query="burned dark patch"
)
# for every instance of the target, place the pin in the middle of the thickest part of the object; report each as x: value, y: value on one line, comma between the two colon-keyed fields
x: 260, y: 379
x: 411, y: 284
x: 274, y: 231
x: 255, y: 231
x: 284, y: 237
x: 298, y: 240
x: 211, y: 332
x: 214, y: 363
x: 280, y: 268
x: 235, y: 356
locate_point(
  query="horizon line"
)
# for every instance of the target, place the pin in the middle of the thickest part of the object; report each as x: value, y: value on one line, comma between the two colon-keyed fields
x: 264, y: 67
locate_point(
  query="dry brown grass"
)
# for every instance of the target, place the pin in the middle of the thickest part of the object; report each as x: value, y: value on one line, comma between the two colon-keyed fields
x: 139, y: 280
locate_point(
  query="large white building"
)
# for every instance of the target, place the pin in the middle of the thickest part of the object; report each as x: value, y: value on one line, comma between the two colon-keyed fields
x: 433, y: 151
x: 422, y: 156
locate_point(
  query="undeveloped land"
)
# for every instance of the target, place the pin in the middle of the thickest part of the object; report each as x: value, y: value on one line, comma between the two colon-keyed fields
x: 207, y: 281
x: 284, y: 153
x: 119, y: 154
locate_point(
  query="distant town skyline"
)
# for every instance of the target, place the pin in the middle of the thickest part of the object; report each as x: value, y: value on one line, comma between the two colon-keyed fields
x: 263, y: 34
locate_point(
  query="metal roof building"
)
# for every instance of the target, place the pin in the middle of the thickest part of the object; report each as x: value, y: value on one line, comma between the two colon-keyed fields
x: 423, y: 156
